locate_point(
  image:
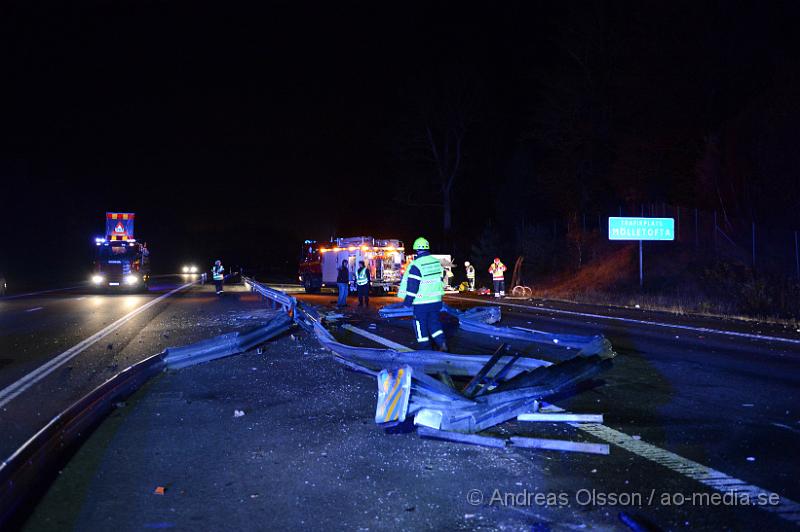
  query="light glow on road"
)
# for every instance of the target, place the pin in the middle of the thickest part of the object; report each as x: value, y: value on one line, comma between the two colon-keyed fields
x: 130, y: 301
x: 12, y: 391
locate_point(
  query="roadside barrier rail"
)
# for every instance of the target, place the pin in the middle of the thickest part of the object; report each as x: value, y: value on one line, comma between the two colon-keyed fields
x: 277, y: 297
x: 29, y: 471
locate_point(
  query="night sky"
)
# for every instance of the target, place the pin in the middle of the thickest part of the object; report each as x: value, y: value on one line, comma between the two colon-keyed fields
x: 238, y: 131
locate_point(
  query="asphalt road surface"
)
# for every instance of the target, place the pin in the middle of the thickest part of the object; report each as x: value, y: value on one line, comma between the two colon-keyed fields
x: 55, y: 347
x: 307, y: 455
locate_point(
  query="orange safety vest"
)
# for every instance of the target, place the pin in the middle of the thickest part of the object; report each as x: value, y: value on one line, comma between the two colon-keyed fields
x: 497, y: 269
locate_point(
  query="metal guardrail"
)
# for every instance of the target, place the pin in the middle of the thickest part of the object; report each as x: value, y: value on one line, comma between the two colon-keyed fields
x: 26, y: 474
x: 277, y: 297
x: 480, y: 320
x: 226, y: 344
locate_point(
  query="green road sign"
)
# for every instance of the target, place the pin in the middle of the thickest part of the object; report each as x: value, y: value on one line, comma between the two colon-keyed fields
x: 631, y: 228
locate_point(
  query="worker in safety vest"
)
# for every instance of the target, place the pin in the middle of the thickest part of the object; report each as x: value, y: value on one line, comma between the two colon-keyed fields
x: 470, y: 275
x: 497, y: 269
x: 362, y: 284
x: 218, y: 274
x: 422, y: 288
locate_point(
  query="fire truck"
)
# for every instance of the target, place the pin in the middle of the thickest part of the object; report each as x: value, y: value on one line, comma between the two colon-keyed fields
x: 319, y: 262
x: 120, y: 261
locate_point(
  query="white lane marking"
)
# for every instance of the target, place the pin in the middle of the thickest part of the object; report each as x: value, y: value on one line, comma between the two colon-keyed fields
x: 17, y: 296
x: 640, y: 322
x: 34, y: 309
x: 785, y: 508
x: 11, y: 391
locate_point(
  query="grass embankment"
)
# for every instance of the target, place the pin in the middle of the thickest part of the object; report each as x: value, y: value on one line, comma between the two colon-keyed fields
x: 677, y: 283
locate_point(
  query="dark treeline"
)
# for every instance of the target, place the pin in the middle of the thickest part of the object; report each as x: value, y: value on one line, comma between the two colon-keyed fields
x: 586, y: 107
x: 241, y: 132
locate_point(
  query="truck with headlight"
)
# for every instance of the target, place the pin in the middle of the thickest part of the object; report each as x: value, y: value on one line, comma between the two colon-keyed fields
x: 319, y: 261
x: 121, y: 262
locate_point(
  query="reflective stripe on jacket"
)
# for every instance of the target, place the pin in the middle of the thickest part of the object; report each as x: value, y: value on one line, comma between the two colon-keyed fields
x: 217, y: 272
x: 497, y: 269
x: 470, y: 272
x: 362, y: 277
x: 423, y: 281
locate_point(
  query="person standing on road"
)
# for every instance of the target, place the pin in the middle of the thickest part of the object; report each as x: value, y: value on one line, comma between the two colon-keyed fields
x: 218, y: 274
x: 363, y: 280
x: 498, y: 269
x: 422, y: 288
x: 343, y: 283
x: 470, y: 275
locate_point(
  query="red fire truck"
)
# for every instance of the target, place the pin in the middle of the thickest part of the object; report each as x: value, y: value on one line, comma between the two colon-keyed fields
x: 320, y: 260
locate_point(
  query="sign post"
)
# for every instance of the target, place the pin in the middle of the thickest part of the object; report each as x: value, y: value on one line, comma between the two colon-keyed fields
x: 641, y: 270
x: 641, y: 229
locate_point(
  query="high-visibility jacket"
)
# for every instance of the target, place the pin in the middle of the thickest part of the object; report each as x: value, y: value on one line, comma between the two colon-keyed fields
x: 497, y: 269
x: 217, y: 272
x: 470, y: 272
x: 423, y: 280
x: 362, y: 277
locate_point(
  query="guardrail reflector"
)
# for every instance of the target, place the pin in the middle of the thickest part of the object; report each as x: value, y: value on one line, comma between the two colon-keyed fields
x: 393, y: 393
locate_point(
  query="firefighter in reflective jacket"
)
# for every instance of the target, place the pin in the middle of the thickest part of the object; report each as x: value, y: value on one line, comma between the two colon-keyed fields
x: 498, y: 269
x: 422, y: 289
x: 470, y: 275
x: 218, y: 274
x: 362, y: 284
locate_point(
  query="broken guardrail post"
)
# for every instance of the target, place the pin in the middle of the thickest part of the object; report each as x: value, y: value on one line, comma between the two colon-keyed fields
x: 560, y: 445
x: 574, y: 418
x: 473, y: 439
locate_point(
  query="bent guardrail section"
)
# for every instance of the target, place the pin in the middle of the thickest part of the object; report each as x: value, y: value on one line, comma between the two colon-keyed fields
x: 481, y: 320
x: 226, y: 344
x: 287, y: 302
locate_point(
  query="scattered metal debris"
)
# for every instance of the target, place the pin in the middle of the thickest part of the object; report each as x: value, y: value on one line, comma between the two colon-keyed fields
x: 226, y: 344
x: 575, y: 418
x: 559, y: 445
x: 500, y: 387
x: 481, y: 320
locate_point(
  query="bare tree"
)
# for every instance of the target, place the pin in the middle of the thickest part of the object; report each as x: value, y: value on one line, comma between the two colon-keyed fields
x: 444, y: 111
x: 446, y: 153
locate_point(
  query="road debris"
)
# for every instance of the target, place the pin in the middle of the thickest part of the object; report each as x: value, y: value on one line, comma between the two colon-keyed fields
x: 160, y: 490
x: 238, y: 413
x: 500, y: 386
x: 560, y: 445
x: 483, y: 320
x: 577, y: 418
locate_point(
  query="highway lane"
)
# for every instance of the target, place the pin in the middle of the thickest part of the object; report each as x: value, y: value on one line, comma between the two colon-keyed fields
x: 31, y: 339
x: 36, y: 328
x: 726, y: 402
x: 308, y: 440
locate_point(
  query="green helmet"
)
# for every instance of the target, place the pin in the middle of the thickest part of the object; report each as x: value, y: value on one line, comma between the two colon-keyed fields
x: 421, y: 243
